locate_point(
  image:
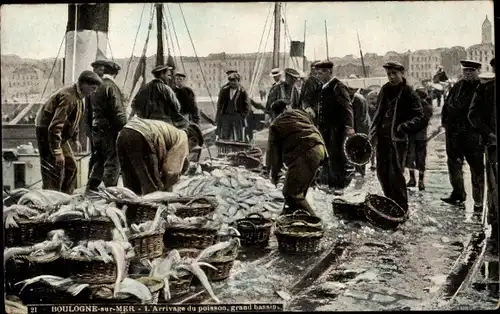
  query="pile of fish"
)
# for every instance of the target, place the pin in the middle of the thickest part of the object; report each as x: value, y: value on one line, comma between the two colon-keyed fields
x: 238, y: 191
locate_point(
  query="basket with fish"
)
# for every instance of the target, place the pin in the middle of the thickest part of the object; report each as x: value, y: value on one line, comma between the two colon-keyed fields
x: 225, y: 147
x: 131, y: 290
x: 349, y: 210
x: 254, y: 229
x: 245, y: 160
x: 147, y: 237
x: 191, y: 232
x: 193, y: 206
x: 298, y: 215
x: 98, y: 262
x: 383, y: 212
x: 138, y: 211
x: 221, y: 257
x: 47, y: 289
x: 298, y: 237
x: 24, y: 225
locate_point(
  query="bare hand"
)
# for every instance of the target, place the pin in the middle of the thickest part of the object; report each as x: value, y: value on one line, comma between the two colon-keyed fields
x: 350, y: 132
x: 60, y: 160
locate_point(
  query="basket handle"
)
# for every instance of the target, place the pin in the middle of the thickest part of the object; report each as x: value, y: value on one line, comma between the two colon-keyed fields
x: 301, y: 210
x: 300, y: 223
x: 246, y: 222
x: 255, y: 214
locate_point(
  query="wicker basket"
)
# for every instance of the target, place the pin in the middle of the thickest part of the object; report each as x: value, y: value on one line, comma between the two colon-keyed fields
x: 349, y: 211
x: 103, y: 293
x: 254, y: 229
x: 27, y: 233
x: 194, y: 207
x: 245, y: 160
x: 188, y: 236
x: 43, y: 293
x: 147, y: 245
x: 224, y: 264
x: 93, y: 271
x: 298, y: 237
x: 97, y: 228
x: 225, y: 147
x: 299, y: 215
x: 178, y: 286
x: 358, y: 149
x: 192, y: 253
x: 384, y: 212
x: 138, y: 211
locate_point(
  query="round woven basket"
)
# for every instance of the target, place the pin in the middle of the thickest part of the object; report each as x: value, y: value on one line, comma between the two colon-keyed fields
x: 384, y: 212
x: 298, y: 237
x: 191, y: 253
x: 188, y: 236
x: 97, y: 228
x: 138, y: 212
x: 245, y: 160
x: 103, y: 293
x: 27, y: 233
x: 349, y: 211
x: 194, y: 207
x: 42, y: 293
x: 226, y: 147
x: 358, y: 149
x: 147, y: 245
x: 92, y: 271
x: 224, y: 264
x: 255, y: 152
x: 254, y: 229
x: 178, y: 286
x: 299, y: 215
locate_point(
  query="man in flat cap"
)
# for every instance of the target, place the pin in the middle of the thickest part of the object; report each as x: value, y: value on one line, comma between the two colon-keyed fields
x: 233, y: 105
x: 158, y: 101
x: 108, y: 118
x: 399, y: 115
x: 335, y: 122
x: 297, y: 143
x: 57, y: 125
x: 187, y: 99
x: 153, y: 154
x: 284, y: 89
x: 483, y: 116
x: 228, y: 72
x: 462, y: 139
x: 310, y: 93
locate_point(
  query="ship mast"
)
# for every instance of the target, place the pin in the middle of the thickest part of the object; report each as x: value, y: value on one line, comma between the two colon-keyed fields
x: 277, y: 32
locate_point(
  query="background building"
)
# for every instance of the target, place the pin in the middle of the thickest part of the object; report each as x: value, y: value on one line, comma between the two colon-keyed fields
x: 484, y: 51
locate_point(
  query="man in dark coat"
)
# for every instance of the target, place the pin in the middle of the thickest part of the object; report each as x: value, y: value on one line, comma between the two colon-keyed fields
x: 371, y: 99
x: 310, y: 93
x: 440, y: 75
x: 335, y: 122
x: 108, y: 118
x: 462, y: 140
x: 297, y: 143
x: 57, y: 126
x: 361, y: 119
x: 417, y: 149
x: 483, y: 116
x: 284, y: 89
x: 186, y: 98
x: 157, y: 100
x: 233, y: 105
x: 399, y: 114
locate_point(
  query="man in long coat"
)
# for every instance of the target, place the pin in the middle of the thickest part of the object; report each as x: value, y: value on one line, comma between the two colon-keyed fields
x: 399, y: 114
x: 336, y: 122
x: 361, y: 119
x: 186, y: 98
x: 285, y: 90
x: 158, y: 101
x: 483, y: 116
x: 153, y: 154
x: 310, y: 93
x: 233, y: 105
x: 57, y: 125
x: 108, y: 118
x: 297, y: 143
x: 463, y: 141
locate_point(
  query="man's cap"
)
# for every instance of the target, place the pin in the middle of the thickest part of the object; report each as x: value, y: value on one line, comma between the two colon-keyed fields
x: 98, y: 63
x: 234, y: 76
x: 313, y: 64
x: 492, y: 62
x: 470, y: 64
x: 324, y: 65
x: 440, y: 67
x: 160, y: 68
x: 292, y: 72
x: 229, y: 72
x: 373, y: 92
x: 394, y: 65
x: 89, y: 77
x: 275, y: 72
x: 279, y: 105
x: 115, y: 66
x: 194, y: 131
x: 180, y: 74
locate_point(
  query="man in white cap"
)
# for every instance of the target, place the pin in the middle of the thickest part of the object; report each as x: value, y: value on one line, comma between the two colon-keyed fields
x: 276, y: 74
x: 285, y: 89
x: 463, y: 141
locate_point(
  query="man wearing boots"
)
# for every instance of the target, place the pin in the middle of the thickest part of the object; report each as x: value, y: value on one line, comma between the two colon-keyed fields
x: 483, y: 116
x: 462, y: 140
x: 417, y: 152
x: 399, y: 114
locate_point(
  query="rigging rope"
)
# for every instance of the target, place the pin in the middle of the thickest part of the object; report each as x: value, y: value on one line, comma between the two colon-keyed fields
x: 133, y: 47
x: 287, y: 32
x: 255, y: 67
x: 110, y: 51
x: 260, y: 66
x: 176, y: 38
x: 196, y: 55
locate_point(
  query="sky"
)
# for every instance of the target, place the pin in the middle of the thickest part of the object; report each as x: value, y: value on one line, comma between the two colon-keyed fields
x: 36, y: 30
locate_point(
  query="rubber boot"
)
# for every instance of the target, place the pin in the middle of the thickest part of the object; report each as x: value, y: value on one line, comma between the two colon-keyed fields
x: 411, y: 183
x: 421, y: 186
